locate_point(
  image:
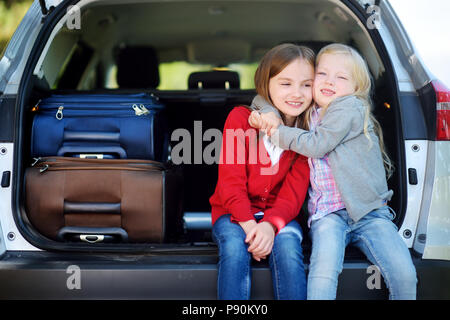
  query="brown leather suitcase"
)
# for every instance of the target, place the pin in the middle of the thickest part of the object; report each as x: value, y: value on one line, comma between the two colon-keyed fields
x: 95, y: 200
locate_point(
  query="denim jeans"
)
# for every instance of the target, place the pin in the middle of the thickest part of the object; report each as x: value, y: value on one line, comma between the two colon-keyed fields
x: 376, y: 236
x: 234, y: 267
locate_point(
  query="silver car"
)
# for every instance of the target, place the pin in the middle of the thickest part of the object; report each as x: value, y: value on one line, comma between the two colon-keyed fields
x: 67, y: 46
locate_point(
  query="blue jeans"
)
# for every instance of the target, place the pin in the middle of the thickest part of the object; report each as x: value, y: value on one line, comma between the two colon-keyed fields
x: 234, y: 267
x: 376, y: 236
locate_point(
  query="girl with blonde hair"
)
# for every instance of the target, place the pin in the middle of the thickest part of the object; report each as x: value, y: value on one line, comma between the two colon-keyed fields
x: 349, y: 167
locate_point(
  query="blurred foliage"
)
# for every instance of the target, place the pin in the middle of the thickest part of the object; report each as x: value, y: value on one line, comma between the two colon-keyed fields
x: 11, y: 13
x: 173, y: 75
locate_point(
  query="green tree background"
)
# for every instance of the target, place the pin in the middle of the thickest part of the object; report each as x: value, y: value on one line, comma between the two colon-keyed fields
x: 11, y: 13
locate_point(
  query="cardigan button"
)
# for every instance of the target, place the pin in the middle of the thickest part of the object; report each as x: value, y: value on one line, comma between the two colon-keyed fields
x: 263, y: 199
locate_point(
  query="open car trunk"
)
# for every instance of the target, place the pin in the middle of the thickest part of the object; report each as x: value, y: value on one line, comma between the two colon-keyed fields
x: 200, y: 35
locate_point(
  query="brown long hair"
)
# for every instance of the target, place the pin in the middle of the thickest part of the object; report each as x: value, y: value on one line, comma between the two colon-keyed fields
x: 273, y: 62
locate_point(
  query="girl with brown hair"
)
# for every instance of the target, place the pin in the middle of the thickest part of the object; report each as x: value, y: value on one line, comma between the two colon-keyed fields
x: 255, y: 203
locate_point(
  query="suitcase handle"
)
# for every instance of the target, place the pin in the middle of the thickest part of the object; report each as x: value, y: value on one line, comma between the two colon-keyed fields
x: 65, y: 151
x: 92, y: 136
x: 92, y: 235
x: 91, y: 207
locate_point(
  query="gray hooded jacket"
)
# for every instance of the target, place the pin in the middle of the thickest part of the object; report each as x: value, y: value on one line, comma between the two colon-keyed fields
x: 356, y: 163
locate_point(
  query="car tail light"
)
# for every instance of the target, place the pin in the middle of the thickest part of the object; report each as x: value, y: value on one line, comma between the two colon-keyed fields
x: 442, y: 110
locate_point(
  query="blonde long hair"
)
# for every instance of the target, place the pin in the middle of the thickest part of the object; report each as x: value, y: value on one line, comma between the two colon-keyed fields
x: 361, y: 75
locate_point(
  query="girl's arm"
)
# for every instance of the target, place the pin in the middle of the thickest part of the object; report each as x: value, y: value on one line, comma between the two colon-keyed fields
x: 232, y: 179
x: 263, y: 106
x: 291, y: 196
x: 337, y: 125
x: 341, y: 117
x: 265, y: 117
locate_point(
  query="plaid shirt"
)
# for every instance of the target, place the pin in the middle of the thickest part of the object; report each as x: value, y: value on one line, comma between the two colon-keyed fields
x: 324, y: 197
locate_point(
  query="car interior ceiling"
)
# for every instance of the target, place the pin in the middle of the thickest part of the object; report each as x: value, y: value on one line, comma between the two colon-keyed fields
x: 125, y: 42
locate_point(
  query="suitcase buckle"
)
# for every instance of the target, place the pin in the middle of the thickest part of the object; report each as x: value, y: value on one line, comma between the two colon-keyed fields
x: 91, y: 156
x: 91, y: 238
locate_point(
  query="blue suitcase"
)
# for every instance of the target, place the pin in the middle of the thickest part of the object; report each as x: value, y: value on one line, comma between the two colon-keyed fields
x: 131, y: 126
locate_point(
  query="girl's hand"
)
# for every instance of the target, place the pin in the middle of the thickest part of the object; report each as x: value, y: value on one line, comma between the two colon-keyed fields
x: 266, y: 122
x: 261, y: 239
x: 247, y: 225
x: 270, y: 122
x: 254, y: 120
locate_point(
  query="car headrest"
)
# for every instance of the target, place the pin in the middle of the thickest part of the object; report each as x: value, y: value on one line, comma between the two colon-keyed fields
x: 214, y: 80
x: 137, y: 67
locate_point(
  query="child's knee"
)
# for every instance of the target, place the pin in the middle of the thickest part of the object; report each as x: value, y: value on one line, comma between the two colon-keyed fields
x: 288, y: 246
x: 406, y: 275
x: 290, y: 232
x: 233, y: 248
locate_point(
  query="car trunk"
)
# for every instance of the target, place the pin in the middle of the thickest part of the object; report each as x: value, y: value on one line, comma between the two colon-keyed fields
x: 193, y: 109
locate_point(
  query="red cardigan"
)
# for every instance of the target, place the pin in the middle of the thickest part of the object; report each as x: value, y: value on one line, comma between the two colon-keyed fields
x: 242, y: 190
